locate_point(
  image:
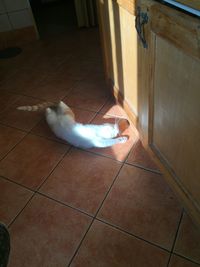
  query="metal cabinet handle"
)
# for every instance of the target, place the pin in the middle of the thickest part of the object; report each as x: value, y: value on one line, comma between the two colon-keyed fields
x: 140, y: 20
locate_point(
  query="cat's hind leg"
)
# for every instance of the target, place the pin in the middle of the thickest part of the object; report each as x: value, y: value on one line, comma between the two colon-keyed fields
x: 104, y: 142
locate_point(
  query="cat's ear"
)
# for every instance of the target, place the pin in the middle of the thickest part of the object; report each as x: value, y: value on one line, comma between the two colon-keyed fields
x: 62, y: 105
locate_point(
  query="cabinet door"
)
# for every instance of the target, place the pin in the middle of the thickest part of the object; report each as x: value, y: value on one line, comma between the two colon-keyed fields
x: 174, y: 100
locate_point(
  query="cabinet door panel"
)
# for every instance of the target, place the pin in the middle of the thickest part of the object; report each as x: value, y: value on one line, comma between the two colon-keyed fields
x: 174, y: 114
x: 176, y: 121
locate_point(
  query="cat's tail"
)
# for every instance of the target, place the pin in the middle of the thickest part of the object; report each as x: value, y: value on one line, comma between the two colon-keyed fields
x: 37, y: 107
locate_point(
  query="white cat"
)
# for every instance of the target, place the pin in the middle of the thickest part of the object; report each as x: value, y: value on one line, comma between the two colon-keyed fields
x: 62, y: 122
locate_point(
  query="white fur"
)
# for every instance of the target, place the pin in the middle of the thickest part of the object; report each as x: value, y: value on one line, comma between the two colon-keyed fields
x: 81, y: 135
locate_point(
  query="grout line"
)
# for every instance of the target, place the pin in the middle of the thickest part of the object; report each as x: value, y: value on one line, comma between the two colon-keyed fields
x: 188, y: 259
x: 109, y: 189
x: 84, y: 109
x: 21, y: 94
x: 143, y: 168
x: 177, y: 231
x: 107, y: 101
x: 116, y: 160
x: 60, y: 141
x: 14, y: 146
x: 95, y: 114
x: 26, y: 134
x: 68, y: 150
x: 36, y: 192
x: 77, y: 249
x: 118, y: 228
x: 174, y: 242
x: 14, y: 182
x: 91, y: 110
x: 65, y: 204
x: 132, y: 148
x: 13, y: 220
x: 99, y: 154
x: 131, y: 234
x: 95, y: 215
x: 13, y: 127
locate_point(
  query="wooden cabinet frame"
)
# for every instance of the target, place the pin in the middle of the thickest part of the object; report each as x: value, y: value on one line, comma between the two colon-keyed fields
x: 181, y: 33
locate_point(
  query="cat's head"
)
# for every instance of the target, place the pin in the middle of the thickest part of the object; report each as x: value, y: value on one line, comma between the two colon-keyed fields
x: 122, y: 124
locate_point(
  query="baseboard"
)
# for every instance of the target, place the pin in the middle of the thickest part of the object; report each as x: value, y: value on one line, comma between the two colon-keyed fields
x: 123, y: 103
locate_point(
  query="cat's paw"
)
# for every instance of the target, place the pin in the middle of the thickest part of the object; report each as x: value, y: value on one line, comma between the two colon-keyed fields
x: 123, y: 139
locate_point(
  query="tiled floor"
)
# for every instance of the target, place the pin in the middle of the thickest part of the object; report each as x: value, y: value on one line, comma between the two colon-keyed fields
x: 69, y: 207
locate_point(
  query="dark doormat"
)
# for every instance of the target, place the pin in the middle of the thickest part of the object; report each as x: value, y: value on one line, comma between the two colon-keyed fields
x: 10, y: 52
x: 4, y: 245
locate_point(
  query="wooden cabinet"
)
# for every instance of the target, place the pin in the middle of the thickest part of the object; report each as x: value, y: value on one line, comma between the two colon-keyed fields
x: 160, y: 80
x: 173, y: 91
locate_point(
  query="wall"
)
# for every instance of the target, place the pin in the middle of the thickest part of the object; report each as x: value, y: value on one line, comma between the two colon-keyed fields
x: 119, y: 40
x: 16, y: 22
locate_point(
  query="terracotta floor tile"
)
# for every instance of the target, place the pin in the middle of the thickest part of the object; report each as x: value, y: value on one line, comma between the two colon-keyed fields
x: 22, y: 80
x: 7, y: 99
x: 188, y: 240
x: 118, y: 151
x: 105, y: 246
x: 141, y: 202
x: 30, y: 162
x: 81, y: 180
x: 12, y: 199
x: 43, y: 129
x: 89, y: 96
x: 9, y: 137
x: 96, y: 74
x: 7, y: 72
x: 46, y: 68
x: 91, y: 87
x: 53, y: 88
x: 46, y: 234
x: 140, y: 157
x: 77, y: 69
x: 180, y: 262
x: 23, y: 120
x: 83, y: 116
